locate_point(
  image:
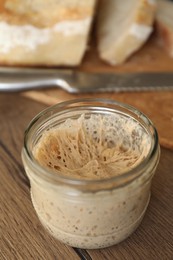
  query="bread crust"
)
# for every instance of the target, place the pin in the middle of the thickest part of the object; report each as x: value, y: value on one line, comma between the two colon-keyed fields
x: 20, y: 12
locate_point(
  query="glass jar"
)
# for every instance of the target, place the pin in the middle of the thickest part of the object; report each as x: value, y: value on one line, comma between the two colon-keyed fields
x: 91, y: 213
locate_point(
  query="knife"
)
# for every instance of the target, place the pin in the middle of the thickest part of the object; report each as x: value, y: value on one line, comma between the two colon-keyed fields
x: 19, y: 79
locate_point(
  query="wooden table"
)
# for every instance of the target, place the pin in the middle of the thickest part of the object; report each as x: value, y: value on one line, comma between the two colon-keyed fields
x: 21, y: 234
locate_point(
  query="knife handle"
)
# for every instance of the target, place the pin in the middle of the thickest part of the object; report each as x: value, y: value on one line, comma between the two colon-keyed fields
x: 16, y: 82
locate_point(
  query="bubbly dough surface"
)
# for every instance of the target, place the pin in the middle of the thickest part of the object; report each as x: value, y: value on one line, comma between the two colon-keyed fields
x: 93, y: 147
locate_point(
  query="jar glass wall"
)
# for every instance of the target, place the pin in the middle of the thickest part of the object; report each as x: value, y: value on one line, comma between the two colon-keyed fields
x: 85, y: 212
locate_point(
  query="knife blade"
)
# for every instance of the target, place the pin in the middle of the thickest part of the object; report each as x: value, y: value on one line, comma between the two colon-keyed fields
x: 19, y: 79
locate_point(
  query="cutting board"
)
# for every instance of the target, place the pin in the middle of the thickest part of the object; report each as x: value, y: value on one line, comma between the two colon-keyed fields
x: 158, y: 106
x: 150, y: 58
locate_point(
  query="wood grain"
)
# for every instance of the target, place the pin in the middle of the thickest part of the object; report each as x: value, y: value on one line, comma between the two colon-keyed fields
x: 21, y: 234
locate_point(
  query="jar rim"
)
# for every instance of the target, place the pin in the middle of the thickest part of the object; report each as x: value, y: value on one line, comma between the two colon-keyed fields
x: 51, y: 176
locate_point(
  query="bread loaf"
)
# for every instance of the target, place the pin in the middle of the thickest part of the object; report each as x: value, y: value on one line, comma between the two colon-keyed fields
x: 123, y: 27
x: 164, y: 24
x: 44, y: 32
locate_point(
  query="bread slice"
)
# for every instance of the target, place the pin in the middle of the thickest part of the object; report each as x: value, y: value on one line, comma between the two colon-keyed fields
x: 164, y: 24
x: 44, y: 32
x: 123, y: 27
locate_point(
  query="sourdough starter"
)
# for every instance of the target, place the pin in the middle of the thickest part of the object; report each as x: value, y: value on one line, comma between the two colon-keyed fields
x: 92, y: 148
